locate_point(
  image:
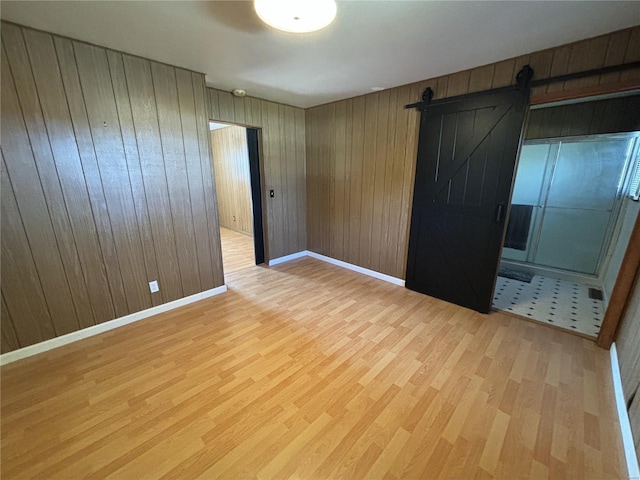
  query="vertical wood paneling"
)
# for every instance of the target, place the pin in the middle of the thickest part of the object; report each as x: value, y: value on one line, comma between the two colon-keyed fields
x: 339, y: 192
x: 397, y: 170
x: 93, y: 70
x: 225, y: 102
x: 92, y: 170
x: 368, y: 176
x: 299, y: 200
x: 86, y: 150
x: 273, y: 135
x: 355, y: 177
x: 125, y: 118
x: 381, y: 140
x: 628, y: 347
x: 190, y: 139
x: 62, y: 180
x: 24, y: 160
x: 233, y: 182
x: 632, y: 54
x: 164, y: 84
x: 9, y: 338
x: 481, y: 78
x: 66, y: 146
x: 202, y: 104
x: 634, y: 418
x: 312, y: 144
x: 458, y: 83
x: 330, y: 144
x: 382, y: 148
x: 589, y: 118
x: 239, y: 110
x: 282, y: 164
x: 28, y: 312
x: 289, y: 187
x: 155, y: 183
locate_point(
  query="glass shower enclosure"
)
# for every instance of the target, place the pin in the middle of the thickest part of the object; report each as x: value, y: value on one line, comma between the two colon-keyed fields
x: 566, y: 199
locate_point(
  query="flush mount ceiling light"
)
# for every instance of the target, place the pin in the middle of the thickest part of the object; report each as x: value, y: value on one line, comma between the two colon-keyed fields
x: 296, y: 16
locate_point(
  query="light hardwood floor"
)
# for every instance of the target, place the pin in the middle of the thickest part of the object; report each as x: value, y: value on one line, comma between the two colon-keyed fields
x: 237, y: 250
x: 306, y: 370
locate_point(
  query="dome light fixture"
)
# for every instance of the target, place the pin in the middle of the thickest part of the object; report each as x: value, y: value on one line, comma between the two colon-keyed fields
x: 296, y: 16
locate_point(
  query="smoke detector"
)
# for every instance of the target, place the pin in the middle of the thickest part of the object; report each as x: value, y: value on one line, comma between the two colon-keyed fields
x: 238, y: 92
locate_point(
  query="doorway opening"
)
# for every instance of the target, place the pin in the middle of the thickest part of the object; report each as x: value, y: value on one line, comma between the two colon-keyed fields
x: 236, y: 165
x: 573, y: 207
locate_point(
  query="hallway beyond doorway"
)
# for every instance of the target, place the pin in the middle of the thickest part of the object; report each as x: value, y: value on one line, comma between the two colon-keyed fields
x: 237, y: 250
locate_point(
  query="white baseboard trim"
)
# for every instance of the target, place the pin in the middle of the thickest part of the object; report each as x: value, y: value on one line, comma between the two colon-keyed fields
x: 625, y: 426
x: 286, y: 258
x: 106, y: 326
x: 356, y: 268
x: 340, y: 263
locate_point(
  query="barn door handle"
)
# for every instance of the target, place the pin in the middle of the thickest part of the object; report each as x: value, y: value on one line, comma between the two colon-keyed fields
x: 500, y: 213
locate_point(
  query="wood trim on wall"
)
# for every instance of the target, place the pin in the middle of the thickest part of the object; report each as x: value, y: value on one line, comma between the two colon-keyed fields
x: 623, y: 289
x: 541, y: 98
x: 283, y: 165
x: 106, y: 185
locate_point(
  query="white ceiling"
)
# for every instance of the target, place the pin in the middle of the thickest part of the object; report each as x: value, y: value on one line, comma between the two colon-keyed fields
x: 371, y: 43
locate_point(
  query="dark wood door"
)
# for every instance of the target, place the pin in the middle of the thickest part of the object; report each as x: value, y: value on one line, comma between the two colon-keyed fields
x: 467, y: 152
x: 256, y: 193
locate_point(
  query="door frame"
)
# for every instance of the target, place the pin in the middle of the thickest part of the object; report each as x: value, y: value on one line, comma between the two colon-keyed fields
x: 256, y: 175
x: 622, y: 290
x: 624, y: 285
x: 253, y: 144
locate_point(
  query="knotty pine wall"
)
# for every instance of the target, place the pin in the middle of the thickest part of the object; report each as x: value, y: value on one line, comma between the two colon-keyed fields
x: 233, y: 181
x: 282, y: 164
x: 361, y: 151
x: 107, y: 184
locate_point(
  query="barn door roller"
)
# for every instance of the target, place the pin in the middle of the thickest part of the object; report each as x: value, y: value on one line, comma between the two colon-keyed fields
x: 523, y: 78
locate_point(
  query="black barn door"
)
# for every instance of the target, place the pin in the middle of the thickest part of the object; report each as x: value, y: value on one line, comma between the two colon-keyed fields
x: 467, y: 151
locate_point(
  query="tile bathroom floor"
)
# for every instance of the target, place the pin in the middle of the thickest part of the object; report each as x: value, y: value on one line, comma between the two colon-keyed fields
x: 556, y: 302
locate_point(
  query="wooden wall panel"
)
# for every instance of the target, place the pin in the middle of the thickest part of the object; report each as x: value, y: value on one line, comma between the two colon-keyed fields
x: 283, y: 165
x: 118, y: 77
x: 164, y: 84
x: 201, y: 101
x: 9, y: 336
x: 106, y: 185
x: 192, y: 153
x: 628, y: 347
x: 145, y: 119
x: 628, y: 344
x: 634, y: 418
x: 20, y: 279
x: 95, y: 81
x: 24, y: 161
x: 93, y: 184
x: 64, y: 177
x: 233, y: 182
x: 589, y: 118
x: 374, y: 193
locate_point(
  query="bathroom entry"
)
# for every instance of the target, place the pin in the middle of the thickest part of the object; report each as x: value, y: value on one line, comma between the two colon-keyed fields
x: 566, y: 199
x: 574, y: 203
x: 237, y: 177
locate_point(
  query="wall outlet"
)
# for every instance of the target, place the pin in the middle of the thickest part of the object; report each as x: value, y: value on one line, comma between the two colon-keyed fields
x: 153, y: 286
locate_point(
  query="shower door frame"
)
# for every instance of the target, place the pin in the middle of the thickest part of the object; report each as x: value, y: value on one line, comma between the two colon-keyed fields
x: 554, y: 150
